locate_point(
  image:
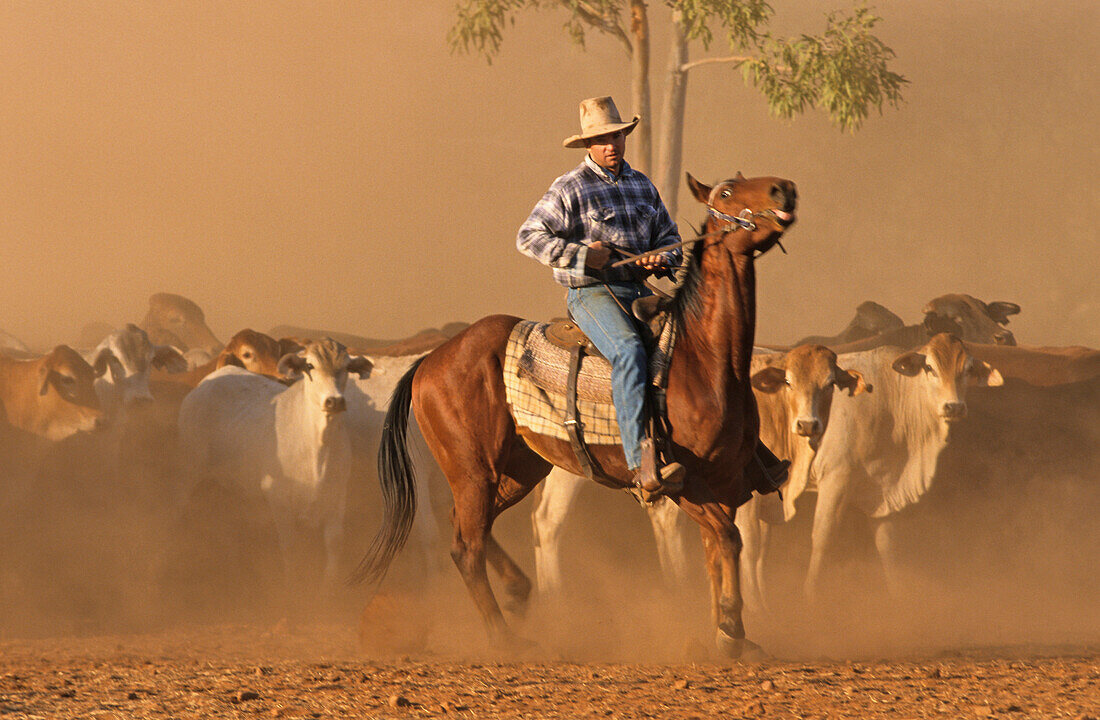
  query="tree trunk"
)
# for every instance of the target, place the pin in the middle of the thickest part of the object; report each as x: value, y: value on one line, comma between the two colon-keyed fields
x: 672, y: 118
x: 639, y: 86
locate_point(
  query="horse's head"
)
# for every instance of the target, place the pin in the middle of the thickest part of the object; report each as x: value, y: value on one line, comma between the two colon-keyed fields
x: 757, y: 211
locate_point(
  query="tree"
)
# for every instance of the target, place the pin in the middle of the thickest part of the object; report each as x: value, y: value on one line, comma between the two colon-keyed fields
x: 844, y: 71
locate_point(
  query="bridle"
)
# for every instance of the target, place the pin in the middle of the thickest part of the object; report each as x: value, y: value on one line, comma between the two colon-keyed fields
x: 744, y: 220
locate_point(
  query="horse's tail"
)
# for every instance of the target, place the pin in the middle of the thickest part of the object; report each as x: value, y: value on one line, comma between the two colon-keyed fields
x: 395, y: 473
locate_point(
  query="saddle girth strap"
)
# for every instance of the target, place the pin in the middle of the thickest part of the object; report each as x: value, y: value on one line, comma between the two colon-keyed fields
x: 573, y: 426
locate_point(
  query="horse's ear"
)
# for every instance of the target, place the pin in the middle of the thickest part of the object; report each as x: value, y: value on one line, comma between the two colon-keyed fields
x: 698, y: 189
x: 738, y: 176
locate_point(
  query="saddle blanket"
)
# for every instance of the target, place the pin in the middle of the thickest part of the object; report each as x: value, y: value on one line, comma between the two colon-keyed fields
x: 530, y: 355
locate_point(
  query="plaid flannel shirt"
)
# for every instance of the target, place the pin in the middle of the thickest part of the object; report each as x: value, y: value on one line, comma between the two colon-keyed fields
x: 587, y: 204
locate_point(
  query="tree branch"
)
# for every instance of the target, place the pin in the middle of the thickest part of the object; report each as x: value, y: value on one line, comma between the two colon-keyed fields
x: 738, y: 59
x: 601, y: 22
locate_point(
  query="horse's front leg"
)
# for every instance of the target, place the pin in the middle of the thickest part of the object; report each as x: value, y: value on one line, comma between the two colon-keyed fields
x: 723, y: 567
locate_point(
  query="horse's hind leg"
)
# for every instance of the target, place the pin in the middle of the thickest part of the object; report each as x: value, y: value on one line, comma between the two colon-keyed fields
x: 530, y: 469
x: 517, y: 586
x: 469, y: 552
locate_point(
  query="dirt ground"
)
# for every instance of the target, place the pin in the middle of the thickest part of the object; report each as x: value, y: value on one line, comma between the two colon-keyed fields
x: 111, y: 609
x: 241, y: 671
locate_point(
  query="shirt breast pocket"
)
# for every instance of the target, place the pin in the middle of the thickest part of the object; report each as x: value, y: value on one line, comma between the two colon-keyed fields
x: 603, y: 224
x: 644, y: 217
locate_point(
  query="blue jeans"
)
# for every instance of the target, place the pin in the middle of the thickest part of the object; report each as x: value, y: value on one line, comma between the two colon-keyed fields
x: 613, y: 333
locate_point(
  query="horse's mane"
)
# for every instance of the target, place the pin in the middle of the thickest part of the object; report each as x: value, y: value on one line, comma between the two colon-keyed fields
x: 686, y: 281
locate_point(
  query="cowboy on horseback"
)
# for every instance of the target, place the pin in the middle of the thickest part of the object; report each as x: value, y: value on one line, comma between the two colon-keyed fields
x: 602, y: 208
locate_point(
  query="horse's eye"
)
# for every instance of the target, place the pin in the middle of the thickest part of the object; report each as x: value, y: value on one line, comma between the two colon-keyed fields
x: 726, y: 193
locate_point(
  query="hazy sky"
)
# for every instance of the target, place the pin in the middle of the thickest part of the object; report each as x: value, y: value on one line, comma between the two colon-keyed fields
x: 331, y: 164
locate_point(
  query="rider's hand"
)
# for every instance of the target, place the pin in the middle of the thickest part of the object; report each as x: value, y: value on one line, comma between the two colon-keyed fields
x: 652, y: 262
x: 597, y: 256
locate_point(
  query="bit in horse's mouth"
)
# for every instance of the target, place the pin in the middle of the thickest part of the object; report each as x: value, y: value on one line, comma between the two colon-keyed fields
x: 785, y: 218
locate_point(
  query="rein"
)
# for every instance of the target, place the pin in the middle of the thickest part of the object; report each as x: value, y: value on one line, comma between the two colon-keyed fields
x: 745, y: 220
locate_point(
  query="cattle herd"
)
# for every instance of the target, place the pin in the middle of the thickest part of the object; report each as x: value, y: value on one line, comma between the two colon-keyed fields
x: 154, y: 460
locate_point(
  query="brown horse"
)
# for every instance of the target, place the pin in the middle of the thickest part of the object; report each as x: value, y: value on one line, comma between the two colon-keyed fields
x: 457, y: 394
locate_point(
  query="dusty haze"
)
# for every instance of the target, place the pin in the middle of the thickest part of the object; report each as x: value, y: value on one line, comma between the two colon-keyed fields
x: 332, y: 165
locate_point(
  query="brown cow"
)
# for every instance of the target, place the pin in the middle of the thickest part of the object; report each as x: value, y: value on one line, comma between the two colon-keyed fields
x: 1040, y: 365
x: 254, y: 351
x: 871, y: 319
x: 422, y: 342
x: 52, y: 396
x: 794, y: 393
x: 963, y: 316
x: 175, y: 320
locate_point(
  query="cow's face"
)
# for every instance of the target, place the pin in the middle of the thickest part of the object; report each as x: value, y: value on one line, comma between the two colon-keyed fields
x: 944, y: 369
x: 124, y: 359
x: 175, y: 320
x: 256, y: 352
x: 67, y: 399
x: 805, y: 378
x: 323, y: 367
x: 970, y: 319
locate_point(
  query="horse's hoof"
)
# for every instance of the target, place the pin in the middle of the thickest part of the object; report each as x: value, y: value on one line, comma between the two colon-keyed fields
x: 739, y: 648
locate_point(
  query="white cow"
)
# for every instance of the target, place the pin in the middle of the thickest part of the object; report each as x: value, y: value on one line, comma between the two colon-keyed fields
x: 129, y: 355
x: 794, y: 392
x: 288, y: 444
x: 880, y: 451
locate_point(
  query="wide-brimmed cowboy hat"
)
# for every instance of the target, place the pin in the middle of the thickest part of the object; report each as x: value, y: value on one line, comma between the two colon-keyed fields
x: 599, y: 116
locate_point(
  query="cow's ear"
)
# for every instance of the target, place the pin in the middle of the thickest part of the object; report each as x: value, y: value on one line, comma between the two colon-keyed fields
x: 770, y: 380
x: 852, y: 381
x: 292, y: 365
x: 361, y: 365
x: 934, y: 324
x: 102, y: 360
x: 169, y: 358
x: 225, y: 358
x: 44, y: 372
x: 985, y: 374
x: 1000, y: 311
x: 289, y: 345
x: 910, y: 363
x: 698, y: 189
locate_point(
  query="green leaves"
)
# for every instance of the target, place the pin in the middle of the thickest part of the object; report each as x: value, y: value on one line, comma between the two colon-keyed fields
x: 845, y: 71
x: 741, y: 19
x: 479, y: 24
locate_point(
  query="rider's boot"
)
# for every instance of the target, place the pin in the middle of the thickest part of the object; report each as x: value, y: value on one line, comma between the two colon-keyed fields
x: 670, y: 478
x: 767, y: 473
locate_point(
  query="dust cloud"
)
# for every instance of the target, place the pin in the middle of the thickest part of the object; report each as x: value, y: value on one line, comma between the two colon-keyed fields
x: 333, y: 165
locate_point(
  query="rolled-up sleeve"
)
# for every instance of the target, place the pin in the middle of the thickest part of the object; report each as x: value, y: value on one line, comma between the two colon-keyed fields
x: 550, y: 236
